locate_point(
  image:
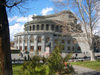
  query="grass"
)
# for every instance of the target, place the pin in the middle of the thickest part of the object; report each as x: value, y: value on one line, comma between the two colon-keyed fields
x: 89, y: 64
x: 17, y: 69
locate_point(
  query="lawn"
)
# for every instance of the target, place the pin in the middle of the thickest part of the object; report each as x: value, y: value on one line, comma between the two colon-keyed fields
x: 90, y: 64
x: 17, y: 69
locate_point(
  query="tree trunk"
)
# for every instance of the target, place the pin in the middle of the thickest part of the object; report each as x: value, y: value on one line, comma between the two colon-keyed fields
x: 5, y: 53
x: 92, y: 56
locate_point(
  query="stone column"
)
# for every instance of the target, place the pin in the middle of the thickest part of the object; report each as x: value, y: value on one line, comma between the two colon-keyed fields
x: 44, y: 26
x: 43, y: 44
x: 15, y: 42
x: 28, y: 43
x: 35, y: 43
x: 18, y: 42
x: 35, y: 27
x: 23, y: 43
x: 50, y: 27
x: 39, y: 26
x: 52, y: 43
x: 31, y: 27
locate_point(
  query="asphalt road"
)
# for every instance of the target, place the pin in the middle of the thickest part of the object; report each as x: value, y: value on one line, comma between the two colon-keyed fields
x: 85, y: 71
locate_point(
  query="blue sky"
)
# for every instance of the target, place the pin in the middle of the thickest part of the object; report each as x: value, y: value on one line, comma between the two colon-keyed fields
x: 34, y: 7
x: 17, y: 18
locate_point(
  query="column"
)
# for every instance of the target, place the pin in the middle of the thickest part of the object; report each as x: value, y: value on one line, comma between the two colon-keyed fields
x: 43, y: 44
x: 18, y: 42
x: 23, y: 43
x: 35, y: 43
x: 39, y: 26
x: 15, y: 42
x: 44, y: 26
x: 35, y: 27
x: 50, y: 27
x: 28, y: 42
x: 52, y: 43
x: 31, y: 27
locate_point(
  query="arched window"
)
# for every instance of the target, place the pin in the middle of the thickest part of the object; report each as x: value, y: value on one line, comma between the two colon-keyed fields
x: 73, y: 48
x: 33, y: 27
x: 68, y: 48
x: 42, y: 27
x: 52, y: 27
x: 32, y: 48
x: 30, y: 28
x: 47, y: 27
x: 78, y: 48
x: 47, y: 39
x: 69, y: 41
x: 39, y: 48
x: 57, y: 28
x: 37, y: 27
x: 39, y: 39
x: 31, y: 39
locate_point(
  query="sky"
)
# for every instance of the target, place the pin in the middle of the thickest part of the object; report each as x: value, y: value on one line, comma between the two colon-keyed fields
x: 18, y: 17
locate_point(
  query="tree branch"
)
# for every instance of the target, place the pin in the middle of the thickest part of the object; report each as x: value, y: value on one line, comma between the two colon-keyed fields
x: 16, y: 3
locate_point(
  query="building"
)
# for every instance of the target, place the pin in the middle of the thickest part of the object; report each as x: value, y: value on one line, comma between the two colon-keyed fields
x: 44, y: 31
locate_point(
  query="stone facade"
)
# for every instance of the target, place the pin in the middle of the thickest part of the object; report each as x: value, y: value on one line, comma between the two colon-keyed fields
x: 45, y: 31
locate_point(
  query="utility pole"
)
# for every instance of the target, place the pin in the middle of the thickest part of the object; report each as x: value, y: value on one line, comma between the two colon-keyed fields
x: 5, y: 53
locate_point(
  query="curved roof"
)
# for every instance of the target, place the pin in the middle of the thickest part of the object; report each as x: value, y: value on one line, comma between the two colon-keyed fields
x: 44, y: 21
x: 53, y: 15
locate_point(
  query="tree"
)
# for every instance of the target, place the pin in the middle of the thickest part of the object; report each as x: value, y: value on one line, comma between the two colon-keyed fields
x: 5, y: 53
x: 87, y: 14
x: 36, y: 66
x: 56, y: 61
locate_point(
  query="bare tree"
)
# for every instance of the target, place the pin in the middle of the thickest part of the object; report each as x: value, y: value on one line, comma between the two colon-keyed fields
x: 5, y: 53
x: 87, y: 14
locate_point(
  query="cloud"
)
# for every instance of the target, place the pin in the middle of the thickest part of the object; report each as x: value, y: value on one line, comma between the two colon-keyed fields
x: 58, y: 0
x: 46, y: 10
x: 24, y: 19
x: 21, y: 19
x: 15, y: 29
x: 19, y: 24
x: 12, y: 19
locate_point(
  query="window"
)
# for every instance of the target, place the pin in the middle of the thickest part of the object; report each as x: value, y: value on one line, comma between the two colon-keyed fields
x: 25, y: 47
x: 20, y: 48
x: 74, y: 41
x: 68, y: 41
x: 63, y: 41
x: 37, y: 27
x: 78, y: 48
x: 68, y: 47
x: 42, y: 27
x: 47, y: 27
x: 56, y: 40
x: 32, y: 48
x: 60, y: 28
x: 57, y: 28
x: 39, y: 39
x: 73, y: 48
x: 31, y: 39
x: 20, y: 40
x: 33, y: 27
x: 52, y: 27
x: 39, y: 48
x: 47, y: 39
x: 30, y: 28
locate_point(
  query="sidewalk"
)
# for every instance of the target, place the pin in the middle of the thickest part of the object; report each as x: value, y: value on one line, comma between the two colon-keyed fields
x: 85, y: 71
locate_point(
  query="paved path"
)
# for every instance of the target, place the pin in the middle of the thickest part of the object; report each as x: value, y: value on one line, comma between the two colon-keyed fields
x: 85, y: 71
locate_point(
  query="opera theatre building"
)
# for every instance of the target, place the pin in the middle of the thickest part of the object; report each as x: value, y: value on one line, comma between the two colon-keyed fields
x: 42, y: 33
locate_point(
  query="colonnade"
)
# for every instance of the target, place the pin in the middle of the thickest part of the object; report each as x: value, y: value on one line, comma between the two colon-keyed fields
x: 26, y: 42
x: 37, y: 27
